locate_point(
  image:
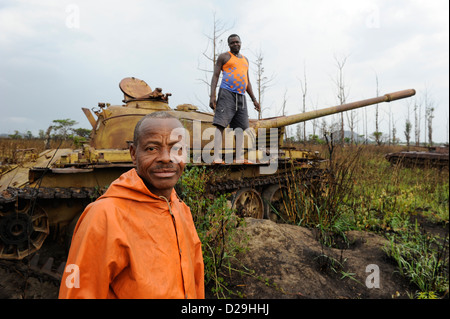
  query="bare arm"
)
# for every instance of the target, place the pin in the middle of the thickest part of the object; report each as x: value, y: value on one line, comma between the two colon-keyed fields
x: 252, y: 96
x: 221, y: 60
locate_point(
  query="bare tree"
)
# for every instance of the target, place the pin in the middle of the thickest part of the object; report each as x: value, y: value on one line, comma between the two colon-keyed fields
x: 315, y: 122
x: 352, y: 119
x: 283, y: 105
x: 283, y: 112
x: 303, y: 85
x: 425, y: 121
x: 341, y: 89
x: 377, y: 134
x: 408, y: 127
x: 417, y: 122
x: 334, y: 127
x: 262, y: 81
x: 429, y: 115
x: 390, y: 125
x: 298, y: 133
x: 446, y: 127
x: 365, y: 126
x: 323, y: 127
x: 213, y: 49
x: 393, y: 138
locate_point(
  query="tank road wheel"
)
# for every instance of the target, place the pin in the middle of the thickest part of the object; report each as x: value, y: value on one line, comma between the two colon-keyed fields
x: 22, y: 230
x: 248, y: 203
x: 274, y: 208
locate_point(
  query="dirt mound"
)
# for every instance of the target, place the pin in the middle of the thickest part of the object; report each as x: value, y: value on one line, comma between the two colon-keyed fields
x: 290, y: 262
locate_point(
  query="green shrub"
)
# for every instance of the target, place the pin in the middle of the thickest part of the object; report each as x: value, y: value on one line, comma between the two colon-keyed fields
x: 421, y: 258
x: 217, y: 228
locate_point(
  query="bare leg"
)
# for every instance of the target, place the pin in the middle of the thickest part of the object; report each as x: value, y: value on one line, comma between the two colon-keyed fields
x: 239, y: 150
x: 218, y: 144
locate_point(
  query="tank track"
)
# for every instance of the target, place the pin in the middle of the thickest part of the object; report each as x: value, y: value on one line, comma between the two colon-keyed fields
x: 310, y: 176
x: 232, y: 185
x: 34, y: 267
x: 12, y: 194
x: 41, y: 267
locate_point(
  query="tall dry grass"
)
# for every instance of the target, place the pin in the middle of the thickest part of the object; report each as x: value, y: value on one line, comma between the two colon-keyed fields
x: 362, y: 190
x: 9, y: 147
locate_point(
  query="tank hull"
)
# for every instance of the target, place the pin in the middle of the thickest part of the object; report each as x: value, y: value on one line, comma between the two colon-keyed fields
x: 419, y: 159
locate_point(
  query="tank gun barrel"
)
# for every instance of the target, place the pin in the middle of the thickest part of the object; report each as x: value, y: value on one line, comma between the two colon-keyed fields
x: 302, y: 117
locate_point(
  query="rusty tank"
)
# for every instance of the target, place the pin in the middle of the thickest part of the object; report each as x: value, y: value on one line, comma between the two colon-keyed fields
x: 47, y: 192
x: 435, y: 157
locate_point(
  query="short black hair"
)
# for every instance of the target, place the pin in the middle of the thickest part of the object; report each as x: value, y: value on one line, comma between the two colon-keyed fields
x: 158, y: 115
x: 232, y: 36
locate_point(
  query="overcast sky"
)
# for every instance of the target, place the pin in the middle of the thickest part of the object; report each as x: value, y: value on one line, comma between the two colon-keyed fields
x: 57, y: 56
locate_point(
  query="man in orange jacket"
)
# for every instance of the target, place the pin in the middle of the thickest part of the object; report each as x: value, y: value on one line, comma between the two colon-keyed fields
x: 138, y: 240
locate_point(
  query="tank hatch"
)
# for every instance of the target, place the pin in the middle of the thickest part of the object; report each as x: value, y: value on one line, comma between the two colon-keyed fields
x: 138, y: 90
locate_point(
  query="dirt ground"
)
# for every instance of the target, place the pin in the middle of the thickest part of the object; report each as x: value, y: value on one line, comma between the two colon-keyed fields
x: 19, y: 280
x: 288, y: 263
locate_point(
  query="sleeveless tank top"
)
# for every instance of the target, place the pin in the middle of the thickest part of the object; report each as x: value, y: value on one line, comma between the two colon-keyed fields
x: 234, y: 74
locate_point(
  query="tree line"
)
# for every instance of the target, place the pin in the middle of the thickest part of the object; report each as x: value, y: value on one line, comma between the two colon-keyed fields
x: 61, y: 129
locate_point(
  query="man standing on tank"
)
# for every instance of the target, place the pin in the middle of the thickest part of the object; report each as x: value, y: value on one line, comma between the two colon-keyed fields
x: 231, y: 107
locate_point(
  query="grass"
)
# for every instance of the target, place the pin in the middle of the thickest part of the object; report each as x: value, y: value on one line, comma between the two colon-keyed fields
x: 386, y: 199
x: 364, y: 192
x: 385, y: 196
x: 421, y: 258
x: 217, y: 228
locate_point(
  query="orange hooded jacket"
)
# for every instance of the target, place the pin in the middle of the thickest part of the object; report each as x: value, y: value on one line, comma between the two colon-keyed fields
x: 132, y: 244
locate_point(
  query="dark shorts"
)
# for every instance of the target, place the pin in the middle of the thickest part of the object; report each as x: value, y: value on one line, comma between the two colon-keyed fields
x: 231, y: 109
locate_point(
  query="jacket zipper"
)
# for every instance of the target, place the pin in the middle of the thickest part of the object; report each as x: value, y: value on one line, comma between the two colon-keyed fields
x: 178, y: 243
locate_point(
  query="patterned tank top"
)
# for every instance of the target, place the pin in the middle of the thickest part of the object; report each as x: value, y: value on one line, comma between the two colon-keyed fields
x: 234, y: 74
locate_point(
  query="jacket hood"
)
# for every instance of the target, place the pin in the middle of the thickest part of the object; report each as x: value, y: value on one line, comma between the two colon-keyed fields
x: 130, y: 186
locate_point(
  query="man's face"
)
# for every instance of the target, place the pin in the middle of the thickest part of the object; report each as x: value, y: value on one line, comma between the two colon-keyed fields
x: 160, y: 154
x: 235, y: 44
